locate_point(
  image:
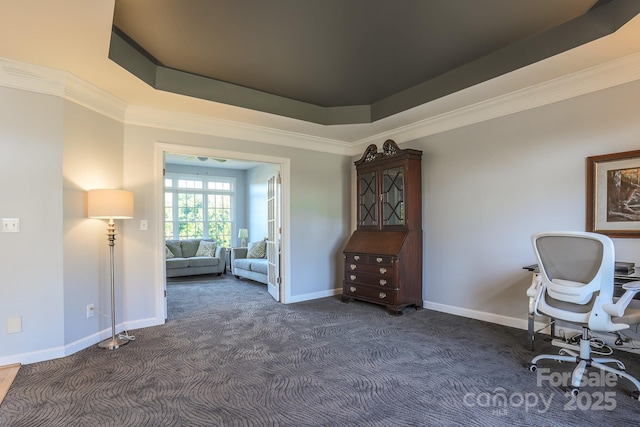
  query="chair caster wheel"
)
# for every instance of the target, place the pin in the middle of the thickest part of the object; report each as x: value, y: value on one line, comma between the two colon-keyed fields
x: 574, y: 391
x: 635, y: 395
x: 533, y: 367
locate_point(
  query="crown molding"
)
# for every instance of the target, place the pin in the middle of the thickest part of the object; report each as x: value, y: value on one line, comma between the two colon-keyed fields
x: 185, y: 122
x: 32, y: 78
x: 613, y: 73
x: 49, y: 81
x: 29, y: 77
x: 83, y: 93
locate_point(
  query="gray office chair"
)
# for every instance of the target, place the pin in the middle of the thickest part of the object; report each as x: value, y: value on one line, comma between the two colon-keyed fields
x: 575, y: 285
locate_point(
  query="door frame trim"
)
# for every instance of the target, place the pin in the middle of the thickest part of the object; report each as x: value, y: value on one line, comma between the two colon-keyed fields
x: 285, y: 206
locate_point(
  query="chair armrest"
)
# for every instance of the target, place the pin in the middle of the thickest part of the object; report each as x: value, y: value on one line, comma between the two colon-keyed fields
x: 536, y: 286
x: 534, y: 292
x: 632, y: 286
x: 237, y: 253
x: 617, y: 309
x: 221, y: 252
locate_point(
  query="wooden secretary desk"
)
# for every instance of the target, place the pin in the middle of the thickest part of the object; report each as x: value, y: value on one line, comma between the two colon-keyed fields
x: 383, y: 258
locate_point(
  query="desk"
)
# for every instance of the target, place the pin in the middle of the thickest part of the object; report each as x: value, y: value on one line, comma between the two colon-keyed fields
x: 621, y: 279
x: 618, y: 281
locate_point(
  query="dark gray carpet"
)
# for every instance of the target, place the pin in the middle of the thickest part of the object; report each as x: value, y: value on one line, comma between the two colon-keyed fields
x: 230, y: 355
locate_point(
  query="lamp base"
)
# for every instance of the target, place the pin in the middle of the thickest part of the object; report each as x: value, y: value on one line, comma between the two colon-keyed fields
x: 113, y: 343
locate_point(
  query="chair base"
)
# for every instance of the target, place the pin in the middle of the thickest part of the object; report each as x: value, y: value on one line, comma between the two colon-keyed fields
x: 581, y: 355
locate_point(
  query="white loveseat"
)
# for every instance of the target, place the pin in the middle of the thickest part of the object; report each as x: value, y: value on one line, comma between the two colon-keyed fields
x: 250, y: 263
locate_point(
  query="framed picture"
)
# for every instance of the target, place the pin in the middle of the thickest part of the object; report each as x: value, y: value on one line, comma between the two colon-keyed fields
x: 613, y: 194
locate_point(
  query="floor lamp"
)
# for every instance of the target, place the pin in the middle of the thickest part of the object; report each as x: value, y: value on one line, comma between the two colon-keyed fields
x: 111, y: 204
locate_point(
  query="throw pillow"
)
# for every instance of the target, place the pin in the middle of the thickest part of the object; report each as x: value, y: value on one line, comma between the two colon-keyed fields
x: 206, y: 249
x: 167, y: 253
x: 174, y: 247
x: 257, y: 249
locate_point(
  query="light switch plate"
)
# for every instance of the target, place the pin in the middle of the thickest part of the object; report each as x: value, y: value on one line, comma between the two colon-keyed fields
x: 10, y: 225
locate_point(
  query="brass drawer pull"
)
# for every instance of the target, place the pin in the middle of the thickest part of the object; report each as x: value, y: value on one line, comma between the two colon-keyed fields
x: 383, y: 295
x: 378, y: 260
x: 352, y: 277
x: 356, y: 257
x: 383, y: 282
x: 353, y: 266
x: 352, y: 289
x: 383, y: 270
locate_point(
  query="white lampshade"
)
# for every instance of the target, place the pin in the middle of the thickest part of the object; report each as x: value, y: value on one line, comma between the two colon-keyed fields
x: 243, y: 233
x: 106, y: 204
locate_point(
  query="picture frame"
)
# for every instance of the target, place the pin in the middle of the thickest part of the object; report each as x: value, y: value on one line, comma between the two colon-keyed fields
x: 613, y: 194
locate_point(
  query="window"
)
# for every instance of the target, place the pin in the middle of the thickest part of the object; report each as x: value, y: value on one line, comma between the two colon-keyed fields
x: 199, y: 207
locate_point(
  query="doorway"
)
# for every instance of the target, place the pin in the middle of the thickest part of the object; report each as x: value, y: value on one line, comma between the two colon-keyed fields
x: 227, y: 159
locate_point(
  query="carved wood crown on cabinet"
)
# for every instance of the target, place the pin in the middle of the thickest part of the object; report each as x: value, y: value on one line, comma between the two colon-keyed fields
x: 383, y: 258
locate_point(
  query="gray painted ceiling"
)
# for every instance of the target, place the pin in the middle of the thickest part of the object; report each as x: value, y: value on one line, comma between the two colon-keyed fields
x: 345, y: 61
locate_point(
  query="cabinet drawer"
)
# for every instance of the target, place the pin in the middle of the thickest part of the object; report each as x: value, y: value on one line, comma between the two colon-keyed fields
x: 380, y: 259
x: 355, y: 258
x: 360, y: 277
x: 375, y: 294
x: 369, y: 259
x: 388, y: 270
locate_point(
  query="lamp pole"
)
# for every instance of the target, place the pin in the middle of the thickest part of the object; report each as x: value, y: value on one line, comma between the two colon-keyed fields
x: 114, y: 342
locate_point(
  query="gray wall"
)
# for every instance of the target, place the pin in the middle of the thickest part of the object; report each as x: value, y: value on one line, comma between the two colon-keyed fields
x: 257, y: 180
x: 489, y: 186
x: 31, y: 269
x: 92, y: 158
x: 53, y: 151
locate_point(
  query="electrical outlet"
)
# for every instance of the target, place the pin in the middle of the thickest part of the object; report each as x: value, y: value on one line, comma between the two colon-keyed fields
x: 91, y: 309
x: 10, y: 225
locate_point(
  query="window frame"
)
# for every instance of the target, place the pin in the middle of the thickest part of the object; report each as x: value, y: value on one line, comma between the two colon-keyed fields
x: 175, y: 190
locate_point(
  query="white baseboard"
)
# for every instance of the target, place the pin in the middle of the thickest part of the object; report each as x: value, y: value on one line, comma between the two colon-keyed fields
x: 74, y: 347
x: 144, y: 323
x: 563, y: 329
x: 513, y: 322
x: 33, y: 356
x: 480, y: 315
x: 92, y: 339
x: 315, y: 295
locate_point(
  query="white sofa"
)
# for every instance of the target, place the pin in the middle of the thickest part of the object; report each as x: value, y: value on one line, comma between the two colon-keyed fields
x: 248, y: 268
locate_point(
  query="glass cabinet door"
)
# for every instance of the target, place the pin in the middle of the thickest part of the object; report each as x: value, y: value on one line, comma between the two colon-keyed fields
x: 393, y: 196
x: 368, y: 200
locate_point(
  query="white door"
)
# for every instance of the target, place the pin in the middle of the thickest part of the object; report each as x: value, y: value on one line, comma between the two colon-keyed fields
x: 273, y: 236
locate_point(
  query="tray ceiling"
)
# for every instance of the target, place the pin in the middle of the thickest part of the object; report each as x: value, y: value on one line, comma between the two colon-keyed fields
x: 342, y: 62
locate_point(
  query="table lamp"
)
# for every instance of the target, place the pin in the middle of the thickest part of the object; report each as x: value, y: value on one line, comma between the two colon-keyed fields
x: 243, y: 234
